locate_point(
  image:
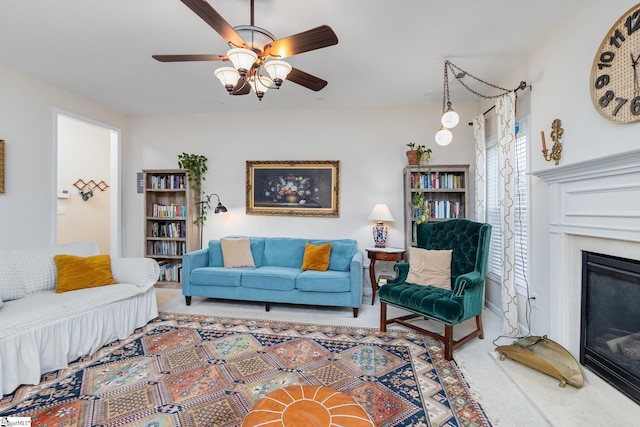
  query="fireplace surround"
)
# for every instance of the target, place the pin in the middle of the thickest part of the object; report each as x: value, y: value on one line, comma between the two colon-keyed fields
x: 594, y: 206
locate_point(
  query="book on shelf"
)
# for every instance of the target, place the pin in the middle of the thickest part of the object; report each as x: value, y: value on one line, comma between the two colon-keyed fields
x: 167, y: 182
x: 437, y: 180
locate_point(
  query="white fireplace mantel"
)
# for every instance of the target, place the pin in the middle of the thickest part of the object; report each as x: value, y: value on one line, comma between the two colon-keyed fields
x: 593, y: 206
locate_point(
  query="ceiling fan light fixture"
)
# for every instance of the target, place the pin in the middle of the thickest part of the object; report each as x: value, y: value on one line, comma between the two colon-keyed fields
x: 242, y: 59
x: 444, y: 136
x: 228, y: 76
x: 278, y: 70
x: 260, y: 84
x: 450, y: 118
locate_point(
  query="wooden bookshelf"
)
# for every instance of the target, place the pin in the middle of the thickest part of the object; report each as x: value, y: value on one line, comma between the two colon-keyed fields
x: 445, y: 189
x: 170, y: 232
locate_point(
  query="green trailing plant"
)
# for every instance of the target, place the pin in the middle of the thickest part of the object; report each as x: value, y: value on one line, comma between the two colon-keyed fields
x: 195, y: 166
x: 418, y: 199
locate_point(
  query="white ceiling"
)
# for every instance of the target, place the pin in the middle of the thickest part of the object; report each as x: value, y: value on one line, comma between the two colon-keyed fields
x: 389, y: 52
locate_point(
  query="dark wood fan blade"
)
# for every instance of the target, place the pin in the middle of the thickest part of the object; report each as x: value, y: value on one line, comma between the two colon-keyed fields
x: 313, y: 39
x: 216, y: 21
x: 180, y: 58
x: 306, y: 80
x: 242, y: 88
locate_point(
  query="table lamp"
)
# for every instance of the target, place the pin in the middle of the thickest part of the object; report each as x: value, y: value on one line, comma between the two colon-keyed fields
x: 380, y: 213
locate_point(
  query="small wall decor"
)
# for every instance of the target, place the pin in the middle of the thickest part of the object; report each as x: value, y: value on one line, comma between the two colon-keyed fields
x: 293, y: 188
x: 1, y: 166
x: 556, y: 136
x: 86, y: 188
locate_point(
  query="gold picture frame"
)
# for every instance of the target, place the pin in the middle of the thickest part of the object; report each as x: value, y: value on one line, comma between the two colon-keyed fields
x: 293, y: 188
x: 1, y: 166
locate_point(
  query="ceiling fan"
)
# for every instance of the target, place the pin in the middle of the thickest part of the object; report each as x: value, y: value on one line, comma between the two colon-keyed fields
x: 254, y: 48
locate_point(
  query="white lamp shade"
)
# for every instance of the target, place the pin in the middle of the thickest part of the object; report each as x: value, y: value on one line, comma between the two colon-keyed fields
x: 277, y: 69
x: 242, y: 59
x: 380, y: 212
x: 260, y: 83
x: 228, y: 76
x: 444, y: 136
x: 450, y: 118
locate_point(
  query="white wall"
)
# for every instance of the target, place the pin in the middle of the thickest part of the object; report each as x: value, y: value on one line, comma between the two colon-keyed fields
x: 369, y: 143
x: 27, y: 124
x: 559, y: 71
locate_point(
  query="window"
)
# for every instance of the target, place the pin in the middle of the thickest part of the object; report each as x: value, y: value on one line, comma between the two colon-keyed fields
x: 521, y: 206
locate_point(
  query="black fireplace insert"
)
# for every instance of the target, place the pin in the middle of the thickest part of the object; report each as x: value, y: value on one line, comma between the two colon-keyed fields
x: 610, y: 321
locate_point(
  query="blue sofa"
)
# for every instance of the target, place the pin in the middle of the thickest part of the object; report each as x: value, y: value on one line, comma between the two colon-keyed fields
x: 277, y: 276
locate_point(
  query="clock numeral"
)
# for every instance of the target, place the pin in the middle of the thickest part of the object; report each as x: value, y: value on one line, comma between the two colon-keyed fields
x: 602, y: 81
x: 633, y: 22
x: 616, y: 38
x: 621, y: 102
x: 635, y: 106
x: 605, y: 58
x: 606, y: 98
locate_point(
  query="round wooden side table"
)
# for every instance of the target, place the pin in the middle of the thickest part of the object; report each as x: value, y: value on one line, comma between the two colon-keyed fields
x: 381, y: 254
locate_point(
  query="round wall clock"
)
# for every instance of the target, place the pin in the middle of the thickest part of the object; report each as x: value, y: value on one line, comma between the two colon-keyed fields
x: 615, y: 74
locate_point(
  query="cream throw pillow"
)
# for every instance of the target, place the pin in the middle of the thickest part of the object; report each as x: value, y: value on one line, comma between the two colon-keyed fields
x: 236, y: 252
x: 427, y: 267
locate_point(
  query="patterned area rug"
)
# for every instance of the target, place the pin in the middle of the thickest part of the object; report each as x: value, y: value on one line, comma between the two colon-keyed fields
x: 206, y: 371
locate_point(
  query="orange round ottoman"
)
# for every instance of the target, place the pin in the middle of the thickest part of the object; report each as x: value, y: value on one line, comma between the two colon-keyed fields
x: 305, y: 406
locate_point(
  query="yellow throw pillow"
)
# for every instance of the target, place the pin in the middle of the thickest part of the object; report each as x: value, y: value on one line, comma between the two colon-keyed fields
x: 316, y: 257
x: 76, y: 272
x: 428, y: 267
x: 236, y: 252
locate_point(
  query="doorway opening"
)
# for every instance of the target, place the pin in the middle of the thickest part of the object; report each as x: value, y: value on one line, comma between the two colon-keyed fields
x: 87, y: 182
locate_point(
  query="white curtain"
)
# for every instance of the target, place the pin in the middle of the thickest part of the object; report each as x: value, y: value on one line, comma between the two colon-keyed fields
x: 481, y: 168
x: 505, y: 111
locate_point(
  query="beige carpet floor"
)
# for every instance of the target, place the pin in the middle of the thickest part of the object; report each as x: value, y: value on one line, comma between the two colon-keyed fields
x: 511, y: 394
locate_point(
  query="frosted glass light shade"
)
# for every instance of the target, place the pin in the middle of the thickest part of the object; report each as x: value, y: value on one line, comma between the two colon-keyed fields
x: 380, y: 212
x: 450, y: 118
x: 278, y: 70
x: 228, y: 76
x: 444, y: 136
x: 242, y: 59
x: 260, y: 84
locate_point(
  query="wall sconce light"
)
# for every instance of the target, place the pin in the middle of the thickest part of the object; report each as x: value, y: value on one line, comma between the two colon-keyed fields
x: 380, y: 213
x: 556, y: 149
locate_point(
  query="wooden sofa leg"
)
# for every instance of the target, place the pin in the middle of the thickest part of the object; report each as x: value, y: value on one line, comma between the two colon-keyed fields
x: 355, y: 312
x: 479, y: 326
x: 383, y: 317
x: 267, y: 306
x: 187, y: 300
x: 448, y: 342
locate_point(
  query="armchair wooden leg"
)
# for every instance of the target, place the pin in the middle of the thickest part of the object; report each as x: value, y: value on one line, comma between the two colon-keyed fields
x: 383, y: 317
x: 479, y: 326
x: 448, y: 342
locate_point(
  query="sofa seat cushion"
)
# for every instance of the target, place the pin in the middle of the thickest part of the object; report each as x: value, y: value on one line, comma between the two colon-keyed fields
x: 323, y: 281
x: 218, y: 276
x: 272, y: 278
x: 435, y: 302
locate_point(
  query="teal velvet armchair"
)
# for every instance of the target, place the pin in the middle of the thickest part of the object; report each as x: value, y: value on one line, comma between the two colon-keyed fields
x: 469, y: 242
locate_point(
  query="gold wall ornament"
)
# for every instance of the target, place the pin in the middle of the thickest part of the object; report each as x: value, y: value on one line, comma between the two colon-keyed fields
x: 556, y: 136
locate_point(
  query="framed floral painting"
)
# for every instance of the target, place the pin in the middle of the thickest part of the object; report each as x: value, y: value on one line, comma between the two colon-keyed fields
x: 293, y: 188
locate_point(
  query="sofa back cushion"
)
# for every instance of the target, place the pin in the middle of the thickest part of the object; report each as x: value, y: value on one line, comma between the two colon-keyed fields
x: 216, y: 256
x: 25, y: 271
x: 342, y: 250
x: 283, y: 252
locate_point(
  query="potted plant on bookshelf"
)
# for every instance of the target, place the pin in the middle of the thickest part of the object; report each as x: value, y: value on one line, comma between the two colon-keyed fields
x: 196, y: 167
x: 418, y: 154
